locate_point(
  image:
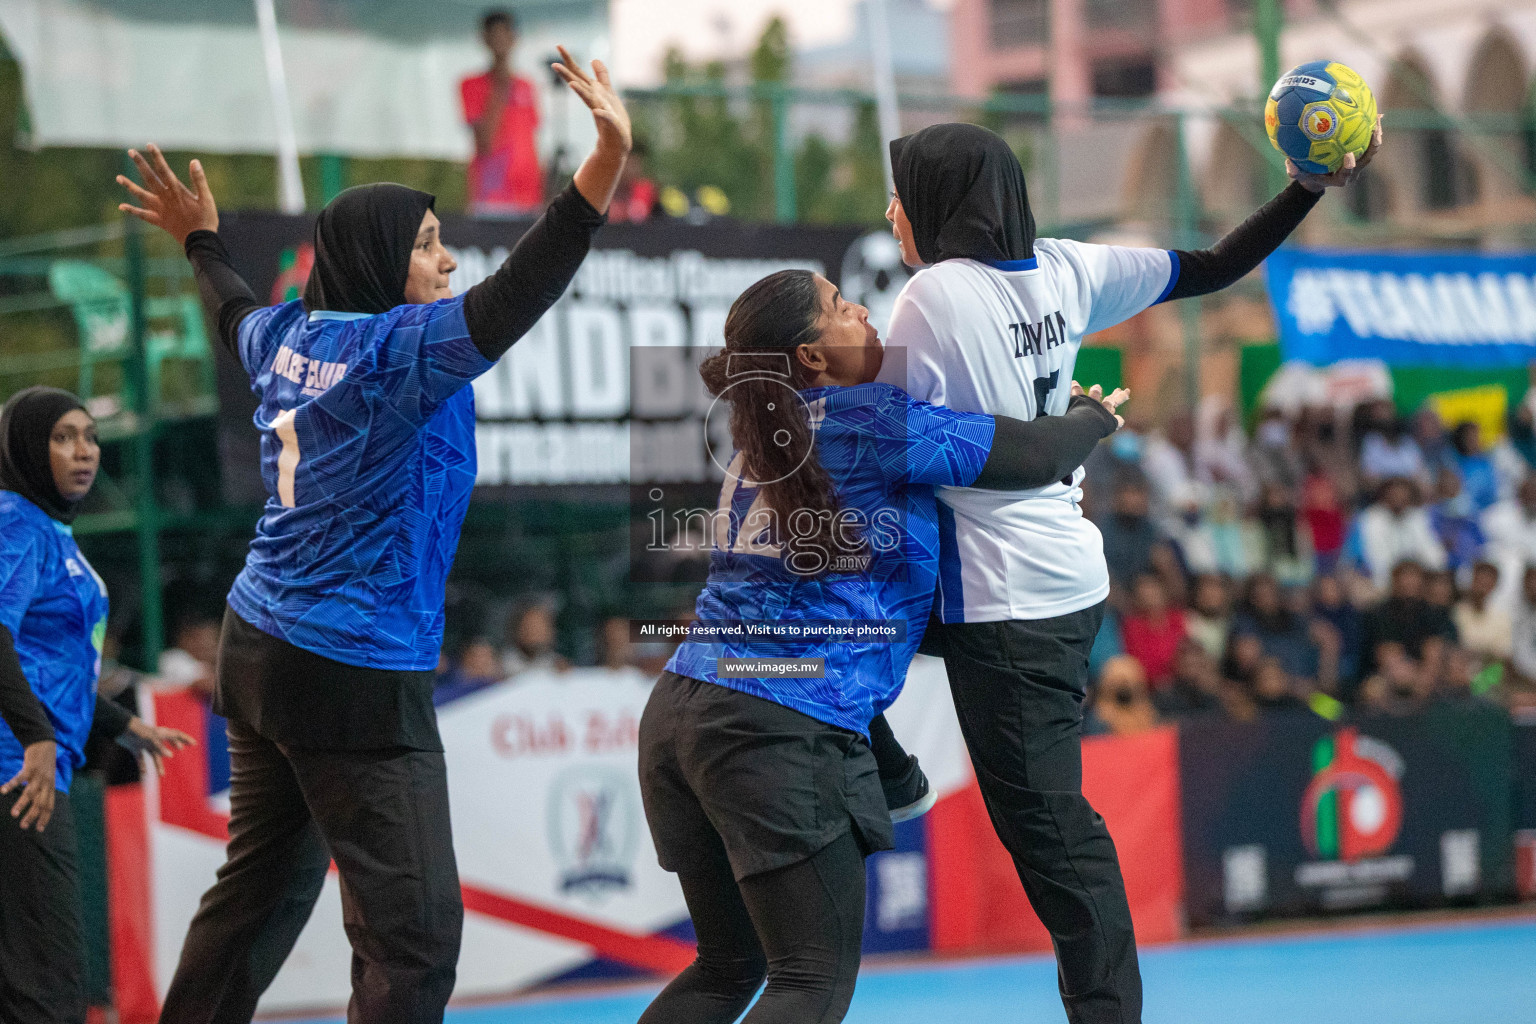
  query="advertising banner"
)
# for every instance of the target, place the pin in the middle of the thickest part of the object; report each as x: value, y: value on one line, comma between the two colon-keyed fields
x: 1525, y: 807
x: 559, y: 408
x: 559, y: 874
x: 1292, y: 814
x: 1459, y: 309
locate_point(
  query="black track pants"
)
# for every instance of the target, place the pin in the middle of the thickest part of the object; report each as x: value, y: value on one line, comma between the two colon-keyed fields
x: 42, y: 956
x: 383, y: 816
x: 800, y: 926
x: 1018, y: 689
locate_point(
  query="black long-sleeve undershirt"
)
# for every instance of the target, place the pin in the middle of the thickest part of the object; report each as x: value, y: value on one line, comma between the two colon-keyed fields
x: 112, y: 718
x: 499, y: 310
x: 1033, y: 453
x: 506, y: 305
x: 23, y: 712
x: 19, y: 707
x: 227, y: 299
x: 1244, y: 247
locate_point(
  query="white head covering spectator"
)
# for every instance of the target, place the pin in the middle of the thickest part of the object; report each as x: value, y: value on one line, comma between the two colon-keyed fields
x: 1510, y: 526
x: 1169, y: 463
x: 1523, y: 657
x: 1482, y: 628
x: 1397, y: 528
x: 1275, y: 453
x: 1221, y: 449
x: 1387, y: 449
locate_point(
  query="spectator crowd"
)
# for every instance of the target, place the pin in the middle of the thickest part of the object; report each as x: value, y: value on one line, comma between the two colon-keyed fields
x: 1323, y: 562
x: 1327, y: 562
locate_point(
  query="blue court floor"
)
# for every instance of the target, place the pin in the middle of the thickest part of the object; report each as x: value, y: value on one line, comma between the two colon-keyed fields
x: 1483, y: 973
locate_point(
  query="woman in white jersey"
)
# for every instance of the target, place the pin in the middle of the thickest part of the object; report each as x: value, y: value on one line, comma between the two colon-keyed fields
x: 994, y: 325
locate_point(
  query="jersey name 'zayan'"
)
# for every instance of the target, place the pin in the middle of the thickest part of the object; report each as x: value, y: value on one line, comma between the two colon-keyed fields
x: 1003, y: 338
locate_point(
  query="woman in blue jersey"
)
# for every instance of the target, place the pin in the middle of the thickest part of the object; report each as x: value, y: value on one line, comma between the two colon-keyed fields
x: 1023, y: 581
x: 333, y: 629
x: 53, y: 616
x: 760, y: 788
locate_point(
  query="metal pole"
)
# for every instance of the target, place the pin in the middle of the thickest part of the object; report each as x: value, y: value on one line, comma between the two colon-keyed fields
x: 1268, y: 19
x: 290, y: 184
x: 146, y: 517
x: 333, y: 176
x: 1185, y: 215
x: 885, y: 84
x: 784, y: 199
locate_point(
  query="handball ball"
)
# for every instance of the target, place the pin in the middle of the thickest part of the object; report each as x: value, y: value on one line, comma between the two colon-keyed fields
x: 1319, y: 111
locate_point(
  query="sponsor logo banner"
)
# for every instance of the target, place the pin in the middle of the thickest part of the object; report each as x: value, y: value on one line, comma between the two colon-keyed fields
x: 1294, y: 814
x: 1407, y: 309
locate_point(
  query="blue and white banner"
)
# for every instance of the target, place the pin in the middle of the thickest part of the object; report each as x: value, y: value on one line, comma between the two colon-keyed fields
x: 1458, y: 309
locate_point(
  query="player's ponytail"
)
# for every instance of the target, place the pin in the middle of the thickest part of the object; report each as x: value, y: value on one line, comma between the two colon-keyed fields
x: 758, y: 373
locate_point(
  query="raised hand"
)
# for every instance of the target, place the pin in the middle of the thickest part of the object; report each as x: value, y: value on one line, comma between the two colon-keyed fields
x: 165, y: 202
x: 1116, y: 399
x: 1345, y: 174
x: 597, y: 92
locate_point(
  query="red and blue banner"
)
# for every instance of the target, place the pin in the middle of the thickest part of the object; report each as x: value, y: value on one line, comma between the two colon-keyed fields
x: 559, y: 877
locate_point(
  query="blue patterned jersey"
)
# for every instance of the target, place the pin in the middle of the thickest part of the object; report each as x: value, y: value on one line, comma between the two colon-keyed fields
x: 368, y: 455
x: 885, y: 452
x: 55, y: 606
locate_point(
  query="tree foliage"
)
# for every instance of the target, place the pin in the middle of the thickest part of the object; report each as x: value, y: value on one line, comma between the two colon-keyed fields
x: 703, y: 140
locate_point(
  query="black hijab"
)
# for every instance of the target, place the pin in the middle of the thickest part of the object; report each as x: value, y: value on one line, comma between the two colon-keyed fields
x: 26, y: 425
x: 363, y: 241
x: 963, y: 190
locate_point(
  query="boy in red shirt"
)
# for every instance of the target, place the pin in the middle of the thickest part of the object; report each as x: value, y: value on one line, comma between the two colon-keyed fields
x: 502, y: 110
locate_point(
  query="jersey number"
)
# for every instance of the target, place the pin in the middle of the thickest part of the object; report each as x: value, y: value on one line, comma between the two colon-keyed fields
x: 1043, y: 388
x: 288, y: 458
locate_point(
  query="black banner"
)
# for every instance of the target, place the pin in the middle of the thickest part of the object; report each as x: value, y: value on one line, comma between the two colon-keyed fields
x: 1293, y: 814
x: 558, y: 409
x: 1525, y: 806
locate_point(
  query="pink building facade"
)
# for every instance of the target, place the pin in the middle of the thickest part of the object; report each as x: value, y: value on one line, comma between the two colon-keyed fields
x: 1075, y: 49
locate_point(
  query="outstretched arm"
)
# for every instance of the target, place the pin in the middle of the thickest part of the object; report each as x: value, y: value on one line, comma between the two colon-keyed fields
x: 503, y: 307
x: 227, y: 299
x: 191, y: 216
x: 1246, y: 246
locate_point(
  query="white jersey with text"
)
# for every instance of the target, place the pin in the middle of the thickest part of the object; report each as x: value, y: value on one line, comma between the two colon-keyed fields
x: 1003, y: 338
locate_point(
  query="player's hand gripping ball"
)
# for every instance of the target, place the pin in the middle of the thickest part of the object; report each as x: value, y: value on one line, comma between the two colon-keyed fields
x: 1318, y: 112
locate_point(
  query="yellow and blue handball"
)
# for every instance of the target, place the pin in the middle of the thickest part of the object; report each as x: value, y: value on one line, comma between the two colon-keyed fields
x: 1319, y: 111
